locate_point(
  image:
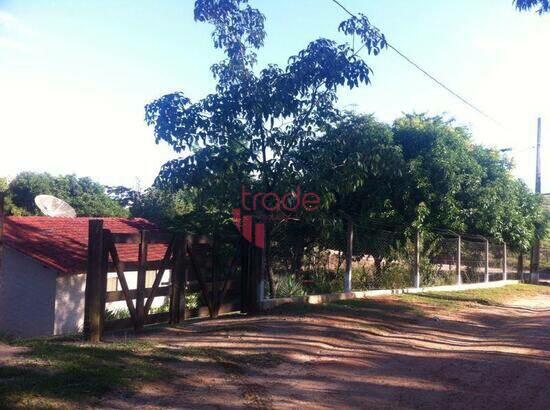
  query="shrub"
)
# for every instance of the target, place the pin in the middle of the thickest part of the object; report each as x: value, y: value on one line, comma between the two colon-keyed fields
x: 288, y: 285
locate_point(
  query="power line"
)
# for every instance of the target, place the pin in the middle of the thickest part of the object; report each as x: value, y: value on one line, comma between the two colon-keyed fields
x: 426, y: 73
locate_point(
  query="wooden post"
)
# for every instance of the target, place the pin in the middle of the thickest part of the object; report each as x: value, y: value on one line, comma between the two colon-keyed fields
x: 245, y: 268
x: 504, y: 262
x: 255, y: 271
x: 349, y: 255
x: 105, y: 233
x: 141, y: 279
x: 2, y: 197
x: 258, y: 275
x: 486, y: 260
x: 459, y: 260
x: 92, y: 306
x: 175, y: 285
x: 417, y: 260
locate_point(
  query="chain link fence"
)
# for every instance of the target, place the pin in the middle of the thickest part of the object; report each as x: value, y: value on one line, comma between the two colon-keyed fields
x: 307, y: 258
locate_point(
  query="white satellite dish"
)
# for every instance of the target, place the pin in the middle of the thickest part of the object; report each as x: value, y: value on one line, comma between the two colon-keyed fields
x: 55, y: 207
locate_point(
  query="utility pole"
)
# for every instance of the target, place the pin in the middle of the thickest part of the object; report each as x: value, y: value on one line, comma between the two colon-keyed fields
x: 538, y: 164
x: 535, y: 252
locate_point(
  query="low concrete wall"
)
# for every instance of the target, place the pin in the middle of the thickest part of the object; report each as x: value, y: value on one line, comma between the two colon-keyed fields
x: 267, y: 304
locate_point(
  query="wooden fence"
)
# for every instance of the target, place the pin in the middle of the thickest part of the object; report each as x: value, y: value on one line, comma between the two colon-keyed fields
x: 222, y: 272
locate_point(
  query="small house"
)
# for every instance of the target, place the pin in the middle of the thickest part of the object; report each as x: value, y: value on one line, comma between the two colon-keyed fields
x: 43, y: 272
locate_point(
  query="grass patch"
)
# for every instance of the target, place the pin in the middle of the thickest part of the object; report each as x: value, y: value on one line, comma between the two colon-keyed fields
x: 66, y: 373
x: 381, y: 309
x: 409, y: 307
x: 54, y: 373
x: 488, y: 296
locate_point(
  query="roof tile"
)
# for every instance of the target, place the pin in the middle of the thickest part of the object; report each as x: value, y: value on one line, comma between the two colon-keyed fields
x: 62, y: 243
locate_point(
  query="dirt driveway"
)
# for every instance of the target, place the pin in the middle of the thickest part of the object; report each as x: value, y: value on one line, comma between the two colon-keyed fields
x: 381, y: 353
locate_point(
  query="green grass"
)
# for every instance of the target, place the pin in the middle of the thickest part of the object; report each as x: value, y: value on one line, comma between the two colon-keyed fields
x: 65, y: 373
x: 489, y: 296
x: 407, y: 307
x: 54, y: 373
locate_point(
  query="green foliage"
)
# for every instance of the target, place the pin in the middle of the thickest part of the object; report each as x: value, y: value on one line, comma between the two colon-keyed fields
x: 3, y: 184
x: 114, y: 314
x: 68, y: 374
x: 87, y: 197
x: 193, y: 301
x: 288, y: 285
x: 325, y: 281
x: 542, y: 6
x: 250, y: 130
x: 457, y: 185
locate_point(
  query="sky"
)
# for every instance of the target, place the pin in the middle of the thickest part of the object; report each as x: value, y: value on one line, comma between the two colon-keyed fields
x: 75, y: 75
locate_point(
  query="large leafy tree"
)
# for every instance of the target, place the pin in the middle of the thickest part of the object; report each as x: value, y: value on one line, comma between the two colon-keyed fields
x: 189, y: 210
x: 86, y: 196
x: 455, y: 184
x: 441, y: 171
x: 249, y: 130
x: 357, y: 168
x: 542, y: 6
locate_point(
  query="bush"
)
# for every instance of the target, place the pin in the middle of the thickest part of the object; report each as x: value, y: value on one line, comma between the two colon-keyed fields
x: 326, y: 281
x: 120, y: 313
x: 288, y: 285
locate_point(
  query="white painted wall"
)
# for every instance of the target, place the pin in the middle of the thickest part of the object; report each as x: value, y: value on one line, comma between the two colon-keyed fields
x: 131, y: 279
x: 37, y: 301
x: 69, y: 304
x: 27, y: 296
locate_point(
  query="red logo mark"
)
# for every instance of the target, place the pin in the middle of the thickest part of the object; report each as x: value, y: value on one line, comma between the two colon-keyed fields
x: 269, y: 202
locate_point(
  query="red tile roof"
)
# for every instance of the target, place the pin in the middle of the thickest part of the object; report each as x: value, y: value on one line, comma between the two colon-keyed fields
x: 62, y: 243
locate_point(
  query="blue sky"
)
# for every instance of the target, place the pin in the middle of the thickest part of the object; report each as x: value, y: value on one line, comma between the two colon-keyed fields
x: 75, y: 75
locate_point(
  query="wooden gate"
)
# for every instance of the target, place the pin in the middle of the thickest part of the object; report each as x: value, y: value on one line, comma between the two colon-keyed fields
x: 220, y: 273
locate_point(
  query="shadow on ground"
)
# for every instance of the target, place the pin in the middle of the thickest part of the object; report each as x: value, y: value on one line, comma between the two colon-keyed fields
x: 382, y: 353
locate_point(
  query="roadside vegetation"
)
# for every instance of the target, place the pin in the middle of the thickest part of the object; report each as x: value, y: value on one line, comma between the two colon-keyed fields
x: 488, y: 296
x: 64, y: 372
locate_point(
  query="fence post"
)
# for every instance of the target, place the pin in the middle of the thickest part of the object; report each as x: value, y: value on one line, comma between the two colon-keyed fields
x: 486, y: 260
x: 417, y: 260
x: 349, y: 254
x: 141, y: 279
x: 255, y: 279
x: 245, y: 274
x: 504, y: 262
x: 2, y: 196
x: 459, y: 260
x: 178, y: 310
x: 520, y: 266
x: 92, y: 306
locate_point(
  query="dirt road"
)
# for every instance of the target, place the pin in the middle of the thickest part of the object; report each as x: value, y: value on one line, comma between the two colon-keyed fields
x: 380, y: 354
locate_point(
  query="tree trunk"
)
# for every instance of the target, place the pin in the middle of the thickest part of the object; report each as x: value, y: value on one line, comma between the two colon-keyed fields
x: 298, y: 256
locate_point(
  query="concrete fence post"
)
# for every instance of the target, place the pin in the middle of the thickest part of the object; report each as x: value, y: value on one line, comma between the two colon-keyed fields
x: 504, y: 262
x: 486, y: 260
x: 349, y: 255
x: 417, y: 260
x: 459, y: 260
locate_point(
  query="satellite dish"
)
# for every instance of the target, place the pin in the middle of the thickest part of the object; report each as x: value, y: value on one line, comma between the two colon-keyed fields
x: 55, y: 207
